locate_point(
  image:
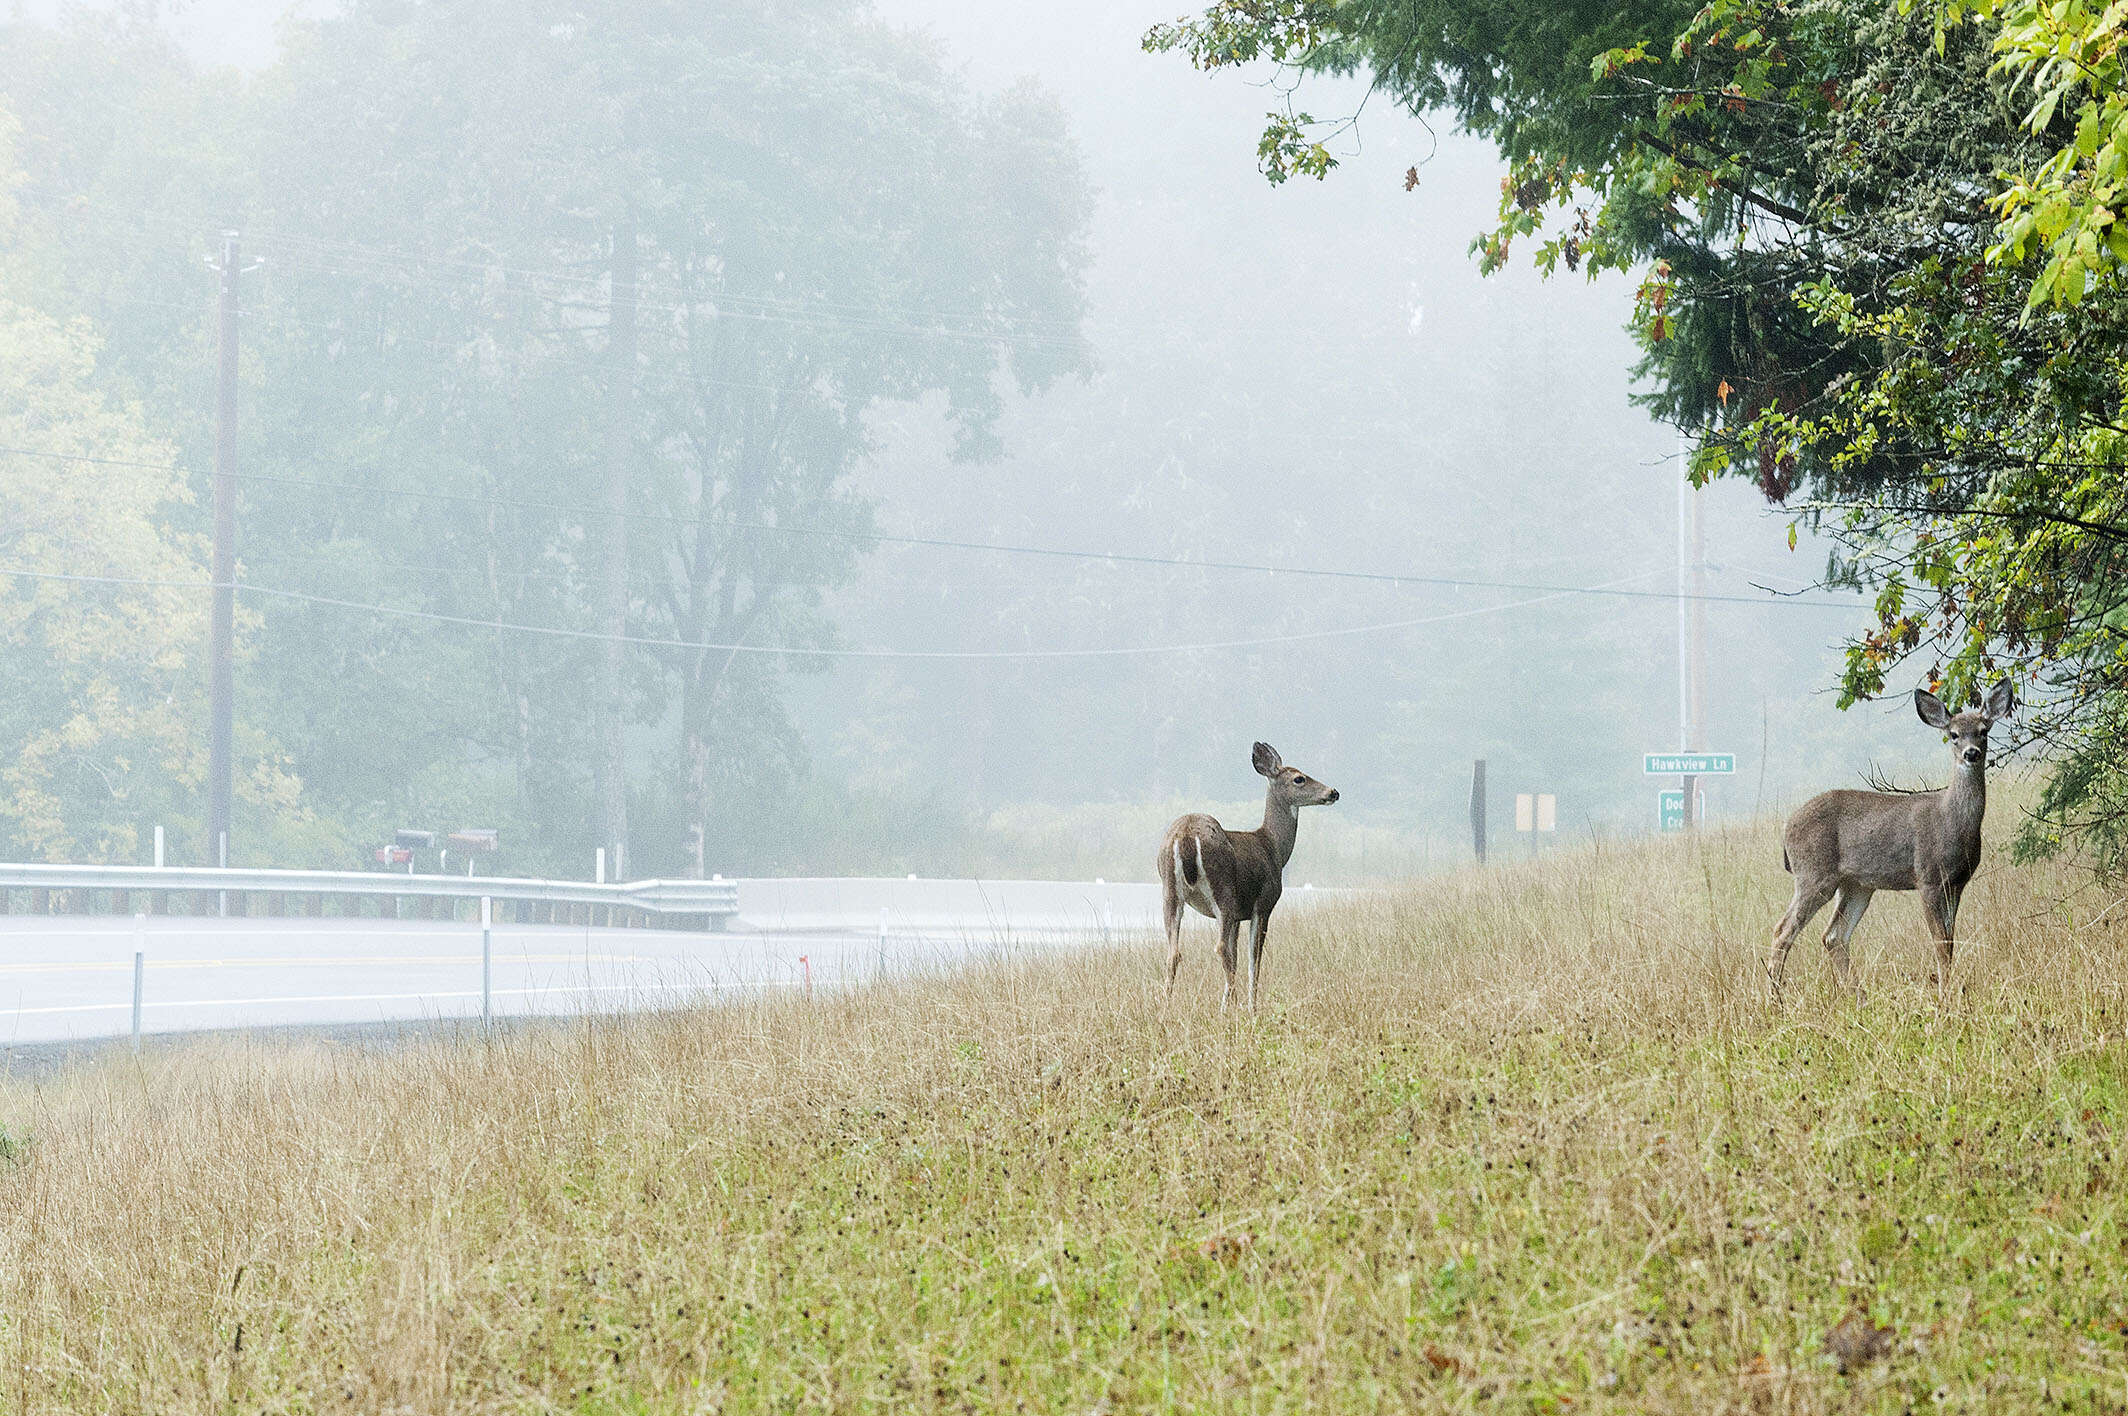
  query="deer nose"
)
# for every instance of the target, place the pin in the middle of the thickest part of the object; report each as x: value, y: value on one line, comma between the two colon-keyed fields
x: 1330, y: 798
x: 1972, y: 754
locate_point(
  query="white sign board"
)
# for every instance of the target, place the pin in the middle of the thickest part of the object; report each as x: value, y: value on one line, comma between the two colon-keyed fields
x: 1539, y: 812
x: 1689, y: 764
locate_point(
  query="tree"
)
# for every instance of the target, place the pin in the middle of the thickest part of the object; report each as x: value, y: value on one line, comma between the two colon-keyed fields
x: 1830, y: 290
x: 815, y: 220
x: 102, y: 612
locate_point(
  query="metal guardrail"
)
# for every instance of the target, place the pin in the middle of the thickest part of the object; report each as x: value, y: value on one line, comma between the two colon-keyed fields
x: 82, y: 889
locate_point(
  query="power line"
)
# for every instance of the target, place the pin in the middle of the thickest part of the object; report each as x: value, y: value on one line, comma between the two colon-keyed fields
x: 322, y: 249
x: 122, y: 216
x: 786, y: 310
x: 995, y: 548
x: 81, y: 457
x: 723, y: 305
x: 780, y: 651
x: 353, y: 331
x: 1127, y: 651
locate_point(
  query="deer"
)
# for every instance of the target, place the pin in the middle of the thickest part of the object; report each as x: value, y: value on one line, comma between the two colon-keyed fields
x: 1844, y: 846
x: 1235, y: 876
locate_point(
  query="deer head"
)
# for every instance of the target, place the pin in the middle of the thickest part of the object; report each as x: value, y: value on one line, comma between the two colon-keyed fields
x: 1968, y: 731
x: 1290, y: 787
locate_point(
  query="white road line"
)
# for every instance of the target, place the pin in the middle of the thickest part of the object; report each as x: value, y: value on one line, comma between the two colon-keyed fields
x: 356, y: 960
x: 402, y: 997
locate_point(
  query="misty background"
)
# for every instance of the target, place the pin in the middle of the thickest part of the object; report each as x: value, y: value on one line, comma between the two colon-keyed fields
x: 984, y: 275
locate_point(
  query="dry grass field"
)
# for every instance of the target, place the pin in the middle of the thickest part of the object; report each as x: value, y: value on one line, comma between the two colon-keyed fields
x: 1527, y: 1140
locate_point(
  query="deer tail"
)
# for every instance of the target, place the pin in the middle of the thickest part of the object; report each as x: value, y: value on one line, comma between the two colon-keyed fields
x: 1784, y: 861
x: 1188, y: 869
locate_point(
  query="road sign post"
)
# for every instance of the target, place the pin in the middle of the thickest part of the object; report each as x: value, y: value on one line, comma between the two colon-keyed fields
x: 1688, y: 767
x: 1670, y: 809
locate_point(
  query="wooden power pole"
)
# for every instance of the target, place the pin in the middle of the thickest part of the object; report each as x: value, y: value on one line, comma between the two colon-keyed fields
x: 612, y: 716
x: 1477, y: 809
x: 221, y: 647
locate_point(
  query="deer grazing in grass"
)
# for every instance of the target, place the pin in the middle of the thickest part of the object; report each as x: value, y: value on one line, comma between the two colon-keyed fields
x: 1232, y: 876
x: 1844, y: 846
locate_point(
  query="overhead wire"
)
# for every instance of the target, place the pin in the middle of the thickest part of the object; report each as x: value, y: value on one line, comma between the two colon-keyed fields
x: 725, y: 305
x: 1394, y: 578
x: 739, y: 305
x: 121, y: 216
x: 800, y: 651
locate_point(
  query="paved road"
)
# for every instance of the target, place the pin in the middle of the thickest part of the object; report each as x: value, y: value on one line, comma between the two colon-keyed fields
x: 64, y: 979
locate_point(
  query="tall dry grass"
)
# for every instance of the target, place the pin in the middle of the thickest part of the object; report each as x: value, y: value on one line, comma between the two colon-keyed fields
x: 1525, y: 1140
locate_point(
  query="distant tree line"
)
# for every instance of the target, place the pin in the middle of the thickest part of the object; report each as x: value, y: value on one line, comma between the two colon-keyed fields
x: 563, y: 318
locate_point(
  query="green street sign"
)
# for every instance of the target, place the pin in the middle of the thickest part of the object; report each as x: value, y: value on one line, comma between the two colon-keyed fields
x: 1670, y: 810
x: 1690, y: 764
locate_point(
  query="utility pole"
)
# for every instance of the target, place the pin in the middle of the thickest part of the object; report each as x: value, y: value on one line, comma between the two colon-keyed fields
x: 221, y: 634
x: 1699, y: 622
x: 1477, y: 809
x: 613, y: 607
x: 1691, y: 624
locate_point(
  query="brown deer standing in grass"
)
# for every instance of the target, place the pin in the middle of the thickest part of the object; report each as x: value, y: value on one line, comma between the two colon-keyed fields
x: 1232, y: 876
x: 1844, y: 846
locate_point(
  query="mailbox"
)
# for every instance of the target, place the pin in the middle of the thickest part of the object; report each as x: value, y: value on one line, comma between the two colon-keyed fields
x: 394, y: 855
x: 475, y: 841
x: 408, y: 839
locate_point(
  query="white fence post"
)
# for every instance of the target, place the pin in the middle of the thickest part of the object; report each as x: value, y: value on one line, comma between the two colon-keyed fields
x: 487, y: 962
x: 140, y: 967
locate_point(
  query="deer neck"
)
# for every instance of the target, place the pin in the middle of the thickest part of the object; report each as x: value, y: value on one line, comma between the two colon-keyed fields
x: 1965, y: 800
x: 1281, y: 827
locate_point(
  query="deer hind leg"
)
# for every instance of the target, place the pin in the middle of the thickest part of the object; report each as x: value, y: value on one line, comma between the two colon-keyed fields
x: 1810, y: 897
x: 1229, y: 948
x: 1256, y: 948
x: 1171, y: 921
x: 1848, y: 908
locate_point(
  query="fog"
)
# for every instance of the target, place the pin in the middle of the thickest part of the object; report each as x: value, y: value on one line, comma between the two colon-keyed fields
x: 1190, y: 366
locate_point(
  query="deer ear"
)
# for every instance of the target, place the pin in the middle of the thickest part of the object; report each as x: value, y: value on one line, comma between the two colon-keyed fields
x: 2001, y: 700
x: 1267, y: 759
x: 1931, y: 709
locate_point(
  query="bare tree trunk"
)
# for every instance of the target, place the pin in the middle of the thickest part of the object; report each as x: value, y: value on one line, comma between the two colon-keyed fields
x: 612, y: 724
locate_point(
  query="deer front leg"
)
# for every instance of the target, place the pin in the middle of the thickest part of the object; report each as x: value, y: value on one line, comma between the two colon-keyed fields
x: 1847, y: 910
x: 1256, y: 948
x: 1940, y: 915
x: 1229, y: 948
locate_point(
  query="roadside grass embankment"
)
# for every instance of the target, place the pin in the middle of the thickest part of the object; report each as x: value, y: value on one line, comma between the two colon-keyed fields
x: 1524, y: 1140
